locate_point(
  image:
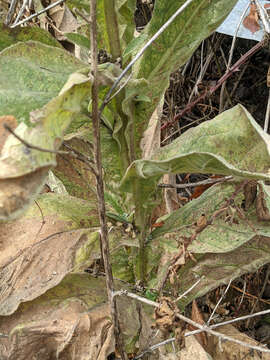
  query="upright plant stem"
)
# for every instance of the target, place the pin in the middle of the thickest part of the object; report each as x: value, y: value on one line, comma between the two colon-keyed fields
x: 100, y: 184
x: 112, y: 29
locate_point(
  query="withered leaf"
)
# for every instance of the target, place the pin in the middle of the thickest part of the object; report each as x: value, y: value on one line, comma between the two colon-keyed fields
x: 165, y: 315
x: 198, y: 318
x: 262, y: 210
x: 11, y: 122
x: 250, y: 192
x: 251, y: 21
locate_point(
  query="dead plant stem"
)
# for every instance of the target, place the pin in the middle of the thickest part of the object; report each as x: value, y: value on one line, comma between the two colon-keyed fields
x: 209, y: 92
x: 100, y: 183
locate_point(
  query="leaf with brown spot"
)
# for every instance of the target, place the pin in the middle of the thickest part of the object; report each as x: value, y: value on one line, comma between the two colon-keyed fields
x: 23, y: 170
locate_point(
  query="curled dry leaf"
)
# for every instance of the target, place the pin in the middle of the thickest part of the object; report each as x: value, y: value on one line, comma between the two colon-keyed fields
x: 165, y: 315
x: 251, y: 21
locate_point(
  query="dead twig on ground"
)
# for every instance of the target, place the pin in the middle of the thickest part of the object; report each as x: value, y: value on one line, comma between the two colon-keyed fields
x: 193, y: 323
x: 221, y: 97
x: 199, y: 183
x: 209, y: 92
x: 11, y: 11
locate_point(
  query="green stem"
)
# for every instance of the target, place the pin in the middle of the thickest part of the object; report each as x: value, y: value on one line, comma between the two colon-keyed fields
x: 112, y: 29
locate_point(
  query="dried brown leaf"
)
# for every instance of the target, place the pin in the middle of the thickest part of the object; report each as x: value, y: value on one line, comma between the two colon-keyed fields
x: 17, y: 193
x: 165, y: 315
x: 64, y: 20
x: 251, y: 20
x: 250, y: 193
x: 11, y: 122
x: 60, y: 326
x: 72, y: 322
x: 230, y: 351
x: 196, y: 316
x: 193, y: 350
x: 38, y: 250
x: 262, y: 210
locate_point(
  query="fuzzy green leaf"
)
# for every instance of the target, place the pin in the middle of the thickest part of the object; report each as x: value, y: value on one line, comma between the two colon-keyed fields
x: 171, y: 49
x: 31, y: 75
x: 10, y: 36
x: 220, y: 146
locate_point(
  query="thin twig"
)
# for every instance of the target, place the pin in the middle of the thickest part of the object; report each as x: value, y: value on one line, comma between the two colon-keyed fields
x: 219, y: 301
x: 230, y: 321
x: 73, y: 152
x: 250, y: 295
x: 140, y: 53
x: 199, y: 183
x: 25, y: 2
x: 188, y: 290
x: 236, y: 83
x: 34, y: 147
x: 193, y: 323
x: 201, y: 75
x: 243, y: 295
x: 209, y: 92
x: 37, y: 13
x: 81, y: 157
x: 231, y: 56
x: 261, y: 292
x: 78, y: 12
x: 99, y: 182
x: 263, y: 16
x: 11, y: 11
x: 267, y: 114
x: 154, y: 347
x: 42, y: 216
x: 194, y: 332
x: 121, y: 87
